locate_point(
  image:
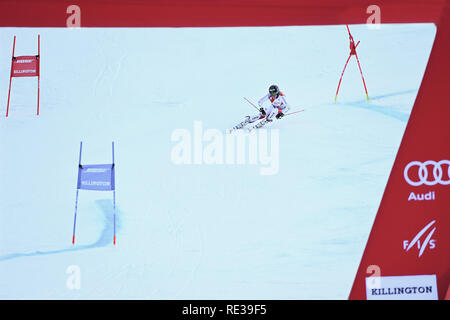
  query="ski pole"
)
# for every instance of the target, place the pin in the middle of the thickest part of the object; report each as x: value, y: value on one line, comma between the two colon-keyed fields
x: 251, y: 103
x: 287, y: 114
x: 364, y: 82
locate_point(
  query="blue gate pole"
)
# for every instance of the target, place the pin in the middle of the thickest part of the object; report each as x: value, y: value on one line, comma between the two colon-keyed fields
x: 76, y: 198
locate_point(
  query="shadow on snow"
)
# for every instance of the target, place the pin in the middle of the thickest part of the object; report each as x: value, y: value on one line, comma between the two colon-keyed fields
x: 390, y: 112
x: 105, y: 239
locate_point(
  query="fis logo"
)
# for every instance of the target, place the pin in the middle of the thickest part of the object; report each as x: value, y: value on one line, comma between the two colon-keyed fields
x: 417, y: 242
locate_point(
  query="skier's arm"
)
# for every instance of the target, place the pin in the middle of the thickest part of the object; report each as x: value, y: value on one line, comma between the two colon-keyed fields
x: 262, y: 100
x: 286, y: 105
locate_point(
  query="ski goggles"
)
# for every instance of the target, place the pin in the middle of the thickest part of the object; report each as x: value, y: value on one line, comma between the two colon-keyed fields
x: 273, y: 92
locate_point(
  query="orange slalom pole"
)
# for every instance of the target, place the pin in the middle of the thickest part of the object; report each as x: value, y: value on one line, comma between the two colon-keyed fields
x: 10, y: 76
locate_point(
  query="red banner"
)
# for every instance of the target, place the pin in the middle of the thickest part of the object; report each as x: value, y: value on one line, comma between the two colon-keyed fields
x: 25, y: 66
x: 213, y: 13
x: 411, y: 233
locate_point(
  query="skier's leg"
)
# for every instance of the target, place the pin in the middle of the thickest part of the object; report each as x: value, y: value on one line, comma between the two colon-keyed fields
x: 271, y: 113
x: 255, y: 117
x: 249, y: 119
x: 262, y: 115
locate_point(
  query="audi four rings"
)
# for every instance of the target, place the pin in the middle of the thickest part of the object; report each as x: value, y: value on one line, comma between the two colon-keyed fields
x: 423, y: 172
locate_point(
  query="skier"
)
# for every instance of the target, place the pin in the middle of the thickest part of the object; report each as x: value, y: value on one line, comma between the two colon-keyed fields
x: 277, y: 108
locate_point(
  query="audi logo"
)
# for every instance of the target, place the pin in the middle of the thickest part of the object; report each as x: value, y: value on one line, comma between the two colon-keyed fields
x: 424, y: 171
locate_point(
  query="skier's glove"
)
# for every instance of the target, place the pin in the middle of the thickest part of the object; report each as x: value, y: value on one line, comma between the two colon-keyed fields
x: 280, y: 115
x: 262, y: 111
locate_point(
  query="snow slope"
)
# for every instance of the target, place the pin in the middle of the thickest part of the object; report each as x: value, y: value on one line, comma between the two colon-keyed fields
x: 198, y: 231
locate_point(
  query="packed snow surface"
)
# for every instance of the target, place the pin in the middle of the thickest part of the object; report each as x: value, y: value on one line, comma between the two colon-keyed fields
x: 199, y: 230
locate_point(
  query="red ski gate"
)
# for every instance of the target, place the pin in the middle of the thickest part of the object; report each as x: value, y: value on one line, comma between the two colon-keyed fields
x: 25, y: 66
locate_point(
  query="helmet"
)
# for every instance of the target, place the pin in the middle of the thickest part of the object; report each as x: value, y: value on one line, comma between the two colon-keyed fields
x: 274, y: 90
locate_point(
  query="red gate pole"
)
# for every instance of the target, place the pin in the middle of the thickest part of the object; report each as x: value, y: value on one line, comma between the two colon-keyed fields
x: 365, y: 88
x: 342, y: 74
x: 10, y: 76
x: 348, y: 29
x: 353, y: 51
x: 39, y: 74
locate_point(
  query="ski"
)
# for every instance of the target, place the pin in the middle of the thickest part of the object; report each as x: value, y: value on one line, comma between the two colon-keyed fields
x: 240, y: 125
x: 243, y: 125
x: 259, y: 125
